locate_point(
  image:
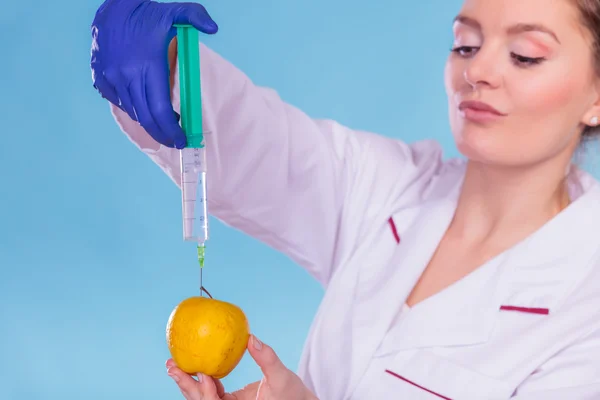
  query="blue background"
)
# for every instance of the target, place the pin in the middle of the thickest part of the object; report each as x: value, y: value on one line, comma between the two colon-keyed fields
x: 91, y: 255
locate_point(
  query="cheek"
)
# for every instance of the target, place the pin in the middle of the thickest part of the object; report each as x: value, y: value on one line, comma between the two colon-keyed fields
x: 549, y: 96
x: 547, y: 107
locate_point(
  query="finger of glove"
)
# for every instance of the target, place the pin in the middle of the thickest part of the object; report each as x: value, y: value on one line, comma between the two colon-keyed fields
x: 140, y: 102
x: 117, y: 81
x: 107, y: 90
x: 196, y: 15
x: 159, y: 101
x: 125, y: 101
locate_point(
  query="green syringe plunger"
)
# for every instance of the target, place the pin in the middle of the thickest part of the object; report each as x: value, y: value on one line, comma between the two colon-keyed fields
x: 189, y: 85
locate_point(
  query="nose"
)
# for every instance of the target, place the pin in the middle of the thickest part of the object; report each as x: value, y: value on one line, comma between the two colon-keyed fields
x: 483, y: 69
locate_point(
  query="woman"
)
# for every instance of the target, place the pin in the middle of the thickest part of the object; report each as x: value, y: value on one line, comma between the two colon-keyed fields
x: 475, y: 279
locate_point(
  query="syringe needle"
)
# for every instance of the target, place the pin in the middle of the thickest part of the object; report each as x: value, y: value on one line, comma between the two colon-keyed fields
x: 201, y: 262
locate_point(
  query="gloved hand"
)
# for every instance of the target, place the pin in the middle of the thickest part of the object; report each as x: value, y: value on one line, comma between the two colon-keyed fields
x: 130, y: 40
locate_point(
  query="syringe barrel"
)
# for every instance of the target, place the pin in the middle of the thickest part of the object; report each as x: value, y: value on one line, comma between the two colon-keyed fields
x: 193, y: 156
x: 193, y: 194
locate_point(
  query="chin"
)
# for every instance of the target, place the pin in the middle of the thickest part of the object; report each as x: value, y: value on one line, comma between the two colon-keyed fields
x: 487, y: 148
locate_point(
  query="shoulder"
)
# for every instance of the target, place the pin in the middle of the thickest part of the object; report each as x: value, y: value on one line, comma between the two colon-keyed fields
x: 409, y: 172
x: 569, y: 261
x: 392, y: 177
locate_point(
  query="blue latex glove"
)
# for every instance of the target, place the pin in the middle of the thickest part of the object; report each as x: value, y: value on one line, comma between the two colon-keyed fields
x: 129, y: 60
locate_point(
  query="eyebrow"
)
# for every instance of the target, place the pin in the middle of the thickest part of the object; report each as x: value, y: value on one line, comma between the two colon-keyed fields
x: 518, y: 28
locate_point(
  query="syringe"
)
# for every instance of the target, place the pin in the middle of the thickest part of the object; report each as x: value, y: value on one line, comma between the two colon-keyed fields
x: 193, y: 157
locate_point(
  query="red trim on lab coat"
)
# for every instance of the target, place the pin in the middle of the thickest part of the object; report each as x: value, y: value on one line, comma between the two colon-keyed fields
x: 414, y: 384
x: 394, y: 230
x: 543, y: 311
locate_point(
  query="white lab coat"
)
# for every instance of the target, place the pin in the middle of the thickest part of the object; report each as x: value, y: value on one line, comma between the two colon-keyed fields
x: 363, y: 214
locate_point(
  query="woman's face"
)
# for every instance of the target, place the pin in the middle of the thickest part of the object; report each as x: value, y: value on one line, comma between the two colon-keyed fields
x: 531, y: 62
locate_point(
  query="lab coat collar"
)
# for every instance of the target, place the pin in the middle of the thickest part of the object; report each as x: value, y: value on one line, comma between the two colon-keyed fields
x: 379, y: 296
x: 535, y: 274
x: 542, y: 270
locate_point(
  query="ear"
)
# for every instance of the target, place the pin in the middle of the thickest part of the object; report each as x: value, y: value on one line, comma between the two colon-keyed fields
x: 592, y: 116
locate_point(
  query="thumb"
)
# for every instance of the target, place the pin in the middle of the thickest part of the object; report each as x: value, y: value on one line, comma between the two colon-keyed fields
x: 270, y: 365
x: 194, y: 14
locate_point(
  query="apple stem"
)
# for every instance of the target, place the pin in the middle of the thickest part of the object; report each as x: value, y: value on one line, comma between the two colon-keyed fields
x: 202, y: 288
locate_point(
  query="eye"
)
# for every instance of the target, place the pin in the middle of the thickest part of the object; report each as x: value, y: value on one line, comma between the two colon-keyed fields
x: 465, y: 51
x: 523, y: 61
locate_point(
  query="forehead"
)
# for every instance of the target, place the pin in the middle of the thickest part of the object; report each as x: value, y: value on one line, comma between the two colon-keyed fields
x: 562, y: 16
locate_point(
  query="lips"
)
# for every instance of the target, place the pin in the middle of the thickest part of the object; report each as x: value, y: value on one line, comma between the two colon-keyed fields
x: 479, y: 106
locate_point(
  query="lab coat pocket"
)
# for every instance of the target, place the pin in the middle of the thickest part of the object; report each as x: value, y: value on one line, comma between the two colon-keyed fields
x: 426, y: 376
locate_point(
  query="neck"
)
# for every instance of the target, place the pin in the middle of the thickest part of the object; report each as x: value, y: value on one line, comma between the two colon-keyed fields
x: 501, y: 205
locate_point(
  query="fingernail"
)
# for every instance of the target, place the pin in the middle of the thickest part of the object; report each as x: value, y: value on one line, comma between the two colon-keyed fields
x: 200, y: 377
x: 257, y: 343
